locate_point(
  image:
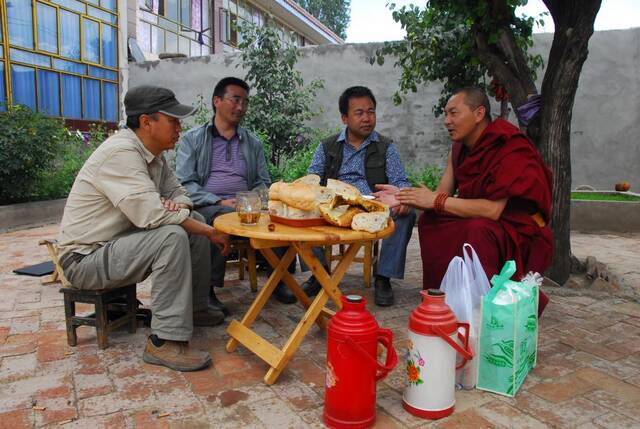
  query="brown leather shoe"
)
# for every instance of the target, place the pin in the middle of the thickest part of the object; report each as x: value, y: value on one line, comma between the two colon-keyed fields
x: 176, y: 355
x: 209, y: 317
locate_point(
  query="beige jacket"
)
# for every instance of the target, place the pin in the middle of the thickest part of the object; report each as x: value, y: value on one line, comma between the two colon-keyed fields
x: 118, y: 190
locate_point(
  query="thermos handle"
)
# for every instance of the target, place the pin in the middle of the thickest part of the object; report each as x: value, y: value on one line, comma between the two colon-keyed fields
x: 385, y: 336
x: 466, y: 353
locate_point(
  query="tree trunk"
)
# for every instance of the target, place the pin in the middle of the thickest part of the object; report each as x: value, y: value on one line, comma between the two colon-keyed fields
x: 569, y: 50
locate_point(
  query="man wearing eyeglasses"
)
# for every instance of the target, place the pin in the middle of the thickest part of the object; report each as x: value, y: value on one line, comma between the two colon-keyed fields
x: 218, y: 159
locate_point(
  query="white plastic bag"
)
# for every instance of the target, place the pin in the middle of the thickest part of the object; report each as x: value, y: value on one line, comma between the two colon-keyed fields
x: 464, y: 284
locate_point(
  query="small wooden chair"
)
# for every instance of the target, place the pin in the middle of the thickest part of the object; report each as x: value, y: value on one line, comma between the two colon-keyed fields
x: 121, y: 301
x: 369, y: 260
x: 246, y: 260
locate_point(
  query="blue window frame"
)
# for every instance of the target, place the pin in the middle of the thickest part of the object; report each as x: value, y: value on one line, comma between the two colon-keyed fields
x: 23, y: 85
x: 47, y: 28
x: 48, y: 92
x: 91, y: 98
x: 71, y: 96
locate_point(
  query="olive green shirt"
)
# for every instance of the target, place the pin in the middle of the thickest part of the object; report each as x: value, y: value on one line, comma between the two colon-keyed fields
x: 118, y: 190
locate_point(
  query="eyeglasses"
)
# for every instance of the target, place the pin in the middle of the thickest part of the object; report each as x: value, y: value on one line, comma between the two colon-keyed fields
x: 237, y: 100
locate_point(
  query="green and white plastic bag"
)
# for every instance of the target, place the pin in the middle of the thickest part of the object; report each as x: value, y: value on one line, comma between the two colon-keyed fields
x: 508, y: 337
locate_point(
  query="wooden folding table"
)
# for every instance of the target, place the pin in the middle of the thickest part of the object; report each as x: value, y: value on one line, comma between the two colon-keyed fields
x: 266, y: 235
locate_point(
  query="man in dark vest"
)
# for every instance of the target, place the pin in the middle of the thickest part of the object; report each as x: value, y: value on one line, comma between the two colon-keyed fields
x: 363, y: 158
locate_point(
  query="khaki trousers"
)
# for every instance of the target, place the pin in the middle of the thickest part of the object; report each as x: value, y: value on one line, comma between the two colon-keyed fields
x: 179, y: 264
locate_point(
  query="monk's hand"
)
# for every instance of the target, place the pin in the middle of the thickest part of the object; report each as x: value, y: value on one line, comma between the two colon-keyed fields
x: 400, y: 210
x: 387, y: 195
x: 220, y: 240
x: 421, y: 197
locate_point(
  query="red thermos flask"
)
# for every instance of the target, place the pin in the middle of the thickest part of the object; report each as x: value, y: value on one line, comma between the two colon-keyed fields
x: 352, y: 365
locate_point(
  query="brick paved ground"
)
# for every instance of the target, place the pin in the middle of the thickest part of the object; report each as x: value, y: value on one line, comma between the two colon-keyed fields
x: 588, y: 372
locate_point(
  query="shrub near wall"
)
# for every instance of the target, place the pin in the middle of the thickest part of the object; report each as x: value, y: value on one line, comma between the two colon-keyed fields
x: 29, y: 143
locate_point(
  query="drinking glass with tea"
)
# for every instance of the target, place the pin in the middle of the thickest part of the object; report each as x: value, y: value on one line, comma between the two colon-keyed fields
x: 248, y: 207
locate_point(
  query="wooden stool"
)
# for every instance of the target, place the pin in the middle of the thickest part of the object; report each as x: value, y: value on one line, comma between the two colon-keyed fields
x: 246, y: 260
x: 123, y: 297
x: 369, y: 260
x: 101, y: 299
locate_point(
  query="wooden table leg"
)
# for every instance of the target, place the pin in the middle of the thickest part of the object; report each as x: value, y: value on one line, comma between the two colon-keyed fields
x: 329, y: 283
x: 313, y: 312
x: 264, y: 294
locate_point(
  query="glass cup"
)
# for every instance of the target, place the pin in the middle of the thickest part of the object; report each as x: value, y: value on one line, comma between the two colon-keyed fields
x: 248, y: 206
x: 263, y: 193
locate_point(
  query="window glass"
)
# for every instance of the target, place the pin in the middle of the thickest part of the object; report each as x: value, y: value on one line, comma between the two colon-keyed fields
x: 47, y: 28
x: 71, y: 96
x: 109, y: 46
x: 110, y: 101
x: 108, y: 4
x: 144, y: 36
x: 102, y: 15
x: 3, y: 97
x: 157, y: 40
x: 23, y: 85
x: 20, y: 23
x: 72, y: 4
x: 183, y: 46
x: 69, y: 66
x: 185, y: 13
x: 172, y: 43
x: 29, y: 57
x: 195, y: 49
x: 103, y: 73
x: 91, y: 98
x: 48, y: 93
x: 69, y: 34
x: 91, y: 41
x: 171, y: 9
x: 204, y: 12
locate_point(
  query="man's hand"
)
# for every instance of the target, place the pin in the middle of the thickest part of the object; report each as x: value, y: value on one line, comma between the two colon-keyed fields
x: 231, y: 202
x: 421, y: 197
x: 400, y: 210
x: 221, y: 240
x: 171, y: 206
x: 387, y: 195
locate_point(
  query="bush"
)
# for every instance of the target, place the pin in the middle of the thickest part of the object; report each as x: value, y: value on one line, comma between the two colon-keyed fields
x: 56, y: 182
x: 29, y: 144
x: 428, y: 176
x: 296, y: 164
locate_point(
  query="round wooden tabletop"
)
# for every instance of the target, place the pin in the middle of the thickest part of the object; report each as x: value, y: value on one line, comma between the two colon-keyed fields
x: 230, y: 223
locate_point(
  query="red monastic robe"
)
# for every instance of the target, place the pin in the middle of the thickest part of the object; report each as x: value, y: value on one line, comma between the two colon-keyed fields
x: 503, y: 163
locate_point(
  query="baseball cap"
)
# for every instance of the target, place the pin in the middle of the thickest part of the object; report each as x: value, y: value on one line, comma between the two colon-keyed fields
x: 151, y: 99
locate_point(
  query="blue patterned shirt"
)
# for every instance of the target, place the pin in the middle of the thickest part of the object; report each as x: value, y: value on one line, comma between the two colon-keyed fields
x: 352, y: 168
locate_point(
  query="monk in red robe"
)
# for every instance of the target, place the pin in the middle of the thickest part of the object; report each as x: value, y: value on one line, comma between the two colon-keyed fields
x: 503, y: 202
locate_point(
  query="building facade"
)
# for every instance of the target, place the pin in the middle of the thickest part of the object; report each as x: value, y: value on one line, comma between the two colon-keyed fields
x: 68, y: 58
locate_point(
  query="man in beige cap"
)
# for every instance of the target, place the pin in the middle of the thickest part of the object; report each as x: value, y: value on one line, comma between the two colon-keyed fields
x: 127, y: 217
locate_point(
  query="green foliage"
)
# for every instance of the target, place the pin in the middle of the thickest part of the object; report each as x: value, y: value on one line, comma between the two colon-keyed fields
x: 280, y: 104
x: 297, y: 163
x: 441, y: 44
x: 29, y: 143
x: 203, y: 112
x: 428, y: 176
x: 335, y: 14
x: 56, y: 182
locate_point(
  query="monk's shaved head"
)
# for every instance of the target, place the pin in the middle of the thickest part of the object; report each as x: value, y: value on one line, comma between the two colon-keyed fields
x: 475, y: 97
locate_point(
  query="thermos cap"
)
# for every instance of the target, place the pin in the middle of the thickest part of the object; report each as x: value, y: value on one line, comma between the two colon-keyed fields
x: 354, y: 298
